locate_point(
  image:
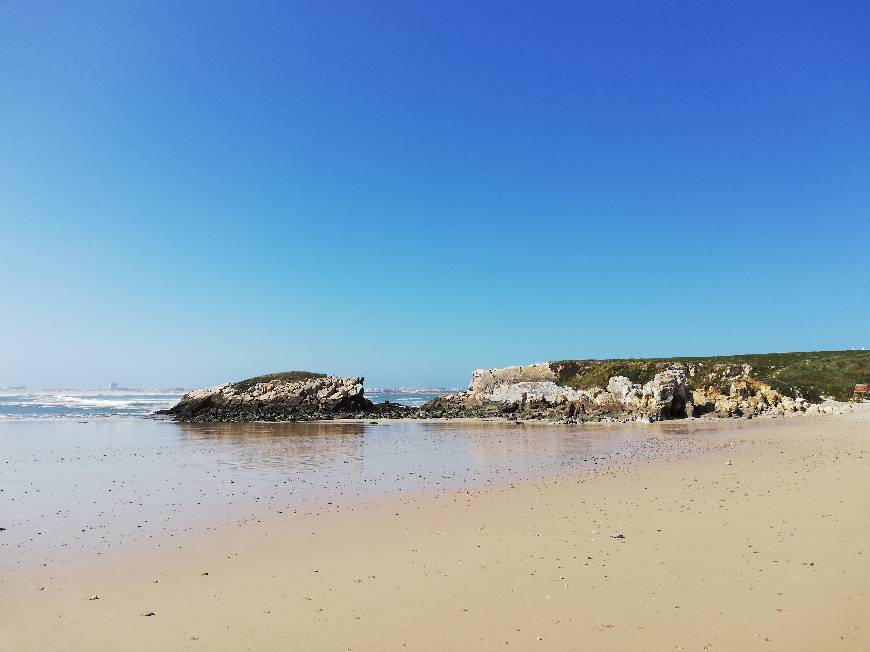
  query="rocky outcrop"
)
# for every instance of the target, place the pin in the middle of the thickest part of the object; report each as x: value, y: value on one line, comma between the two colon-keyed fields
x: 313, y: 397
x: 522, y: 385
x: 747, y: 398
x: 538, y: 391
x: 501, y: 385
x: 568, y: 391
x: 532, y: 391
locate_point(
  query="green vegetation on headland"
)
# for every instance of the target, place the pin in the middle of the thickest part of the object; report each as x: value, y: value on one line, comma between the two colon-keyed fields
x: 286, y: 376
x: 811, y: 375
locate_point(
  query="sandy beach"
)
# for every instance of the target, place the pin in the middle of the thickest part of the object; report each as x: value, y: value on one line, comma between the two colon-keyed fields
x: 451, y: 326
x: 752, y: 537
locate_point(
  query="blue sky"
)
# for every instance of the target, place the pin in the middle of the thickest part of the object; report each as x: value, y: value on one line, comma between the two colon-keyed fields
x: 195, y: 192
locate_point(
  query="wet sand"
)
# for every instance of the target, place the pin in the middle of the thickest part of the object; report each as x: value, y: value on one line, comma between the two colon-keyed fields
x: 99, y: 489
x: 768, y: 551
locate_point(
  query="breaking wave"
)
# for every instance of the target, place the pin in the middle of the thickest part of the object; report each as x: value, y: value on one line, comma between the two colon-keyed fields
x: 58, y: 404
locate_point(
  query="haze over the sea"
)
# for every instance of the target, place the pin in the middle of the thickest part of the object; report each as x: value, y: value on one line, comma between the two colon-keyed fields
x: 196, y: 193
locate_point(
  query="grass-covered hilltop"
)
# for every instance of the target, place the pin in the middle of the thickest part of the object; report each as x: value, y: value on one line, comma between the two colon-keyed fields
x: 811, y: 375
x: 647, y: 389
x: 282, y: 377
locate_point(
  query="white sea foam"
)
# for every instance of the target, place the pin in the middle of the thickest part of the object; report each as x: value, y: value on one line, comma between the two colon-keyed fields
x: 81, y: 403
x: 413, y: 396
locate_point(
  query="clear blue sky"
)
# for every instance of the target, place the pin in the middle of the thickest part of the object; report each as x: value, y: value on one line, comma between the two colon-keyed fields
x: 195, y: 192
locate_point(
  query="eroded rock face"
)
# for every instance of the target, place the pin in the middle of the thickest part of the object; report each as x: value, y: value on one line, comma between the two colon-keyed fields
x: 746, y: 397
x: 624, y: 390
x: 667, y: 396
x: 324, y: 397
x: 497, y: 385
x: 532, y: 392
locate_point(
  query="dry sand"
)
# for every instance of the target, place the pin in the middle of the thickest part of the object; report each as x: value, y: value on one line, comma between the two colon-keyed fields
x: 767, y: 552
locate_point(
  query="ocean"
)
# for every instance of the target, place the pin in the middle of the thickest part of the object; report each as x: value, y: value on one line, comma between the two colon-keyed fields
x: 82, y: 404
x: 85, y: 404
x: 413, y: 396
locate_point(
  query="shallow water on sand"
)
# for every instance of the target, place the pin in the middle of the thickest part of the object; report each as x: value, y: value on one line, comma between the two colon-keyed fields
x: 71, y: 490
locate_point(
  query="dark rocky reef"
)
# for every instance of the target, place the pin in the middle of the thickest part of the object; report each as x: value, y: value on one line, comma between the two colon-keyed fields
x: 291, y: 396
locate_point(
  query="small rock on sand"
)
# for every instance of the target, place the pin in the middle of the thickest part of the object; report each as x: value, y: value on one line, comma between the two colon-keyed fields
x: 617, y: 535
x: 148, y: 613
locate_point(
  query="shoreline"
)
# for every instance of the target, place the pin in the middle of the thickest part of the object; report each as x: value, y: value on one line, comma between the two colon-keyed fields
x: 714, y: 554
x: 829, y: 407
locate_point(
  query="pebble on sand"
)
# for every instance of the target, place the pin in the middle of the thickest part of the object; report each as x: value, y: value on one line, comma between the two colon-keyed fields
x: 94, y: 596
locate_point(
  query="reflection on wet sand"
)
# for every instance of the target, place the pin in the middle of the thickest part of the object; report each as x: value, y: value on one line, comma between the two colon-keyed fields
x: 285, y: 445
x: 241, y: 432
x: 73, y: 489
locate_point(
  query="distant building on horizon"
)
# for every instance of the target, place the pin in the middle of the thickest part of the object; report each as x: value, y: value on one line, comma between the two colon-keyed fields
x: 113, y: 386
